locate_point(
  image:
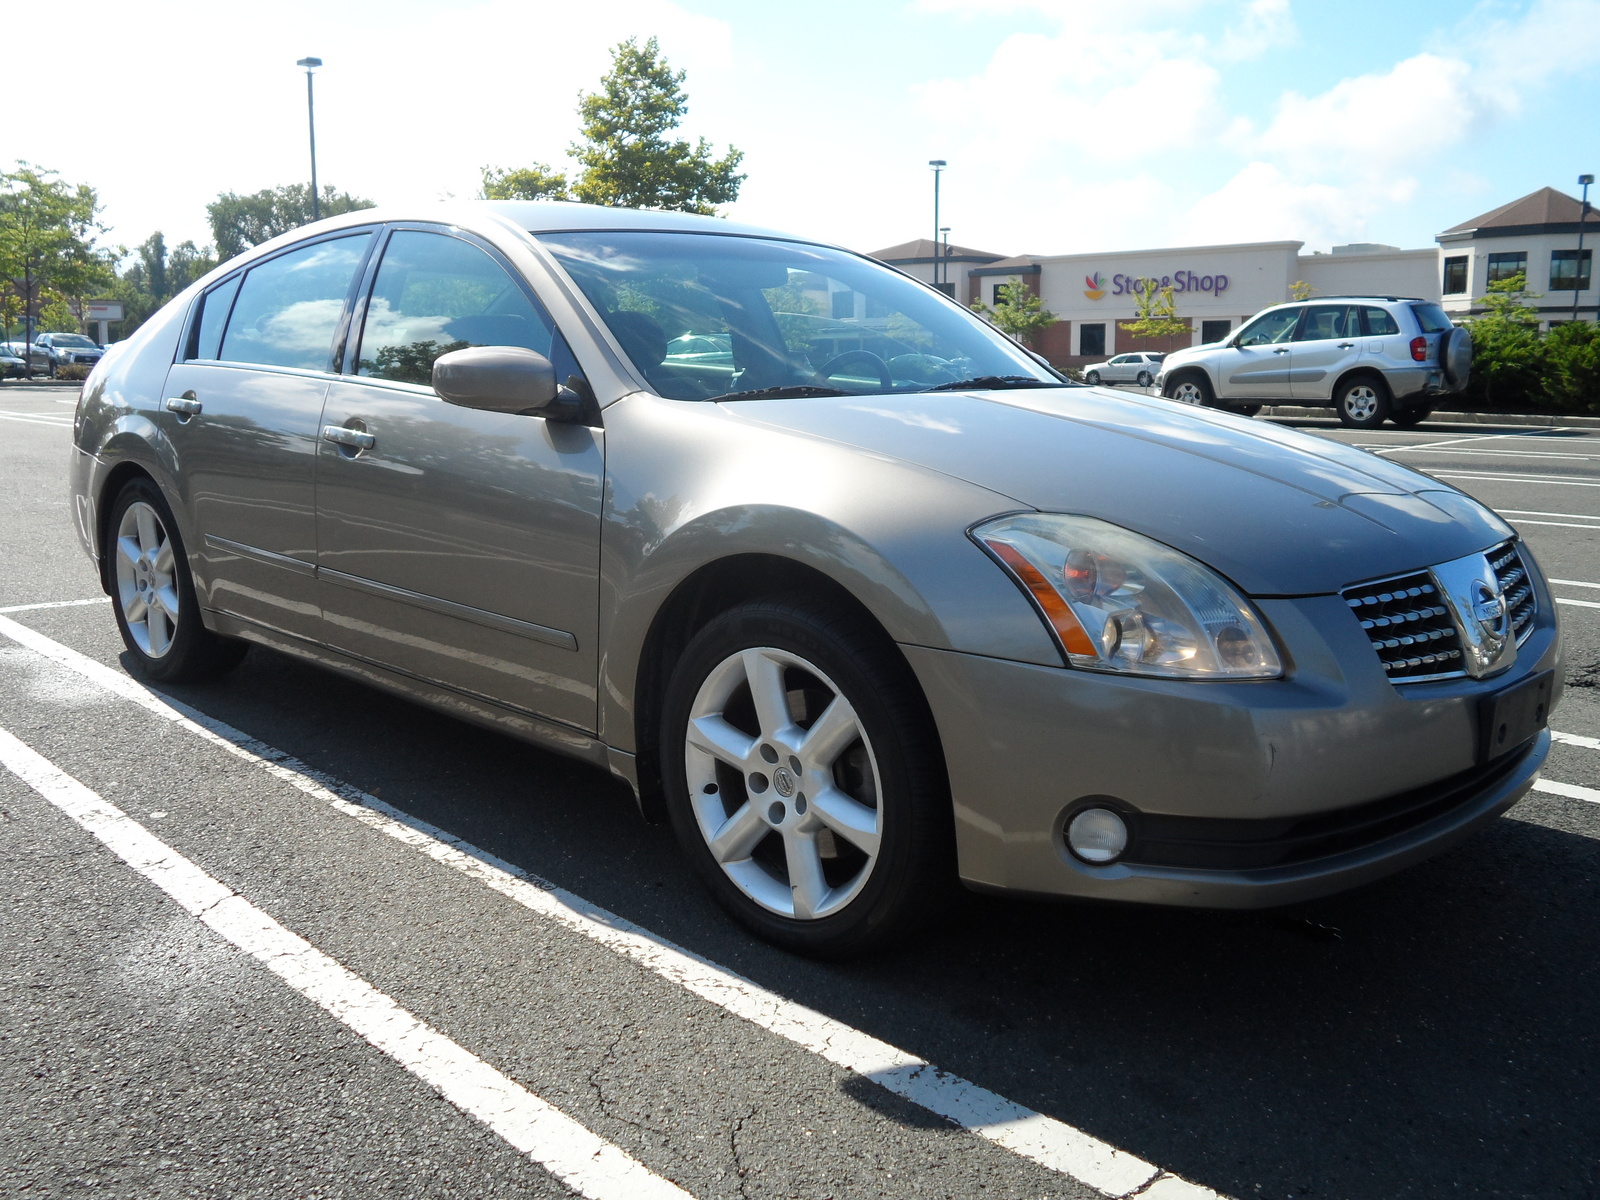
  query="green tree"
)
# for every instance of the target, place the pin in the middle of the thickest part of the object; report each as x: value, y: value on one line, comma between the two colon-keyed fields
x: 155, y: 275
x: 239, y: 222
x: 1572, y: 359
x: 1508, y: 354
x: 1155, y: 313
x: 48, y: 255
x: 538, y: 182
x: 627, y: 157
x: 1017, y: 312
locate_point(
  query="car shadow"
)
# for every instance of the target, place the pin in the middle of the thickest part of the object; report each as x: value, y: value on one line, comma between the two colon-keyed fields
x: 1435, y: 1033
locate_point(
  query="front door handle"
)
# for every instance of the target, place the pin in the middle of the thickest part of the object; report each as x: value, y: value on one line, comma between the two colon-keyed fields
x: 354, y: 438
x: 1280, y: 352
x: 186, y: 405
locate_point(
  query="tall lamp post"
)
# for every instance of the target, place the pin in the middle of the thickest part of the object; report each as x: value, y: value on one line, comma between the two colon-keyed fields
x: 938, y: 164
x: 311, y: 64
x: 941, y: 249
x: 1577, y: 267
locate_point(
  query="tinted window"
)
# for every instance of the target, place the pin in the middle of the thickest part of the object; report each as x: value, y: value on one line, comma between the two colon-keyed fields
x: 1271, y: 327
x: 1567, y: 274
x: 434, y: 294
x: 1092, y: 340
x: 1214, y: 331
x: 1379, y: 322
x: 1431, y: 317
x: 1504, y: 266
x: 1327, y: 322
x: 289, y: 307
x: 213, y: 313
x: 1455, y: 275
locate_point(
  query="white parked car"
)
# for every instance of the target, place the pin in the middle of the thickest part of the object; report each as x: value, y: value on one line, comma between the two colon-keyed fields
x: 1125, y: 368
x: 1371, y: 357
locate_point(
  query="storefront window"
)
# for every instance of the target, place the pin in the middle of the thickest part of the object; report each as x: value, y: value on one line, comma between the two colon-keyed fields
x: 1504, y: 266
x: 1092, y: 339
x: 1567, y: 273
x: 1455, y: 275
x: 1214, y: 331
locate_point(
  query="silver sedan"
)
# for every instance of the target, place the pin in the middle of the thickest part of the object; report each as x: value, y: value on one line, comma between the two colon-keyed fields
x: 846, y: 585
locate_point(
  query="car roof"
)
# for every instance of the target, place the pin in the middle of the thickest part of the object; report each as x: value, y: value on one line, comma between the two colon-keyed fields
x: 559, y: 216
x: 1366, y: 296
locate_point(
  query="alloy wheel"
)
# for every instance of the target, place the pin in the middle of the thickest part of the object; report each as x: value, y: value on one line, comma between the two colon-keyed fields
x: 1188, y: 392
x: 146, y: 579
x: 783, y: 783
x: 1361, y: 402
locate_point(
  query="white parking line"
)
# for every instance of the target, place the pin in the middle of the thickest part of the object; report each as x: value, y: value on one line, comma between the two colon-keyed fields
x: 1539, y: 512
x: 37, y: 419
x: 1575, y: 583
x: 1050, y: 1143
x: 1501, y: 477
x: 580, y: 1159
x: 1490, y: 453
x: 1575, y: 739
x: 1578, y: 603
x: 55, y: 604
x: 1569, y: 791
x: 1521, y: 521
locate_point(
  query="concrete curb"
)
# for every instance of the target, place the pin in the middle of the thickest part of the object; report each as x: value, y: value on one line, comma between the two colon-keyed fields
x: 1454, y: 418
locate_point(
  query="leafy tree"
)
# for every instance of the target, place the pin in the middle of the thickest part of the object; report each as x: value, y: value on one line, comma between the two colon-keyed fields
x: 627, y: 158
x: 1300, y: 290
x: 538, y: 182
x: 1572, y: 359
x: 1508, y: 354
x: 1018, y: 312
x: 1155, y: 314
x: 239, y: 222
x: 155, y: 276
x: 47, y: 251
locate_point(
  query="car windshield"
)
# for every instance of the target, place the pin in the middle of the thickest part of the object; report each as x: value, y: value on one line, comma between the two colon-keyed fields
x: 71, y: 339
x: 714, y: 316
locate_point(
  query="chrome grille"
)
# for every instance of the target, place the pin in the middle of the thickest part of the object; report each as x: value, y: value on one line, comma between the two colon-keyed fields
x: 1409, y: 625
x: 1518, y: 588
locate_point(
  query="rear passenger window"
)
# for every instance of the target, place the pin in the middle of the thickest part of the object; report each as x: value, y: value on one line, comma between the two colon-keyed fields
x: 434, y: 294
x: 288, y: 308
x: 1378, y: 322
x: 213, y: 313
x: 1325, y: 322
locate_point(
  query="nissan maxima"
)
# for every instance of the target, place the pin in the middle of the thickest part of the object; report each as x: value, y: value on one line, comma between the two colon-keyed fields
x: 851, y: 589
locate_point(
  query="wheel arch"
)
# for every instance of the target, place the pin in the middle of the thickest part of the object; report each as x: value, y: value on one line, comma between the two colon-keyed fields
x: 1360, y: 372
x: 117, y: 478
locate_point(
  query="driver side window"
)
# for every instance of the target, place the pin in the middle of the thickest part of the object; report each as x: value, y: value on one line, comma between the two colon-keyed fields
x: 1271, y: 327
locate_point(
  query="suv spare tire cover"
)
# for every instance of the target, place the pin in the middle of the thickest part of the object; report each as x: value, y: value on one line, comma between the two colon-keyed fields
x: 1456, y: 356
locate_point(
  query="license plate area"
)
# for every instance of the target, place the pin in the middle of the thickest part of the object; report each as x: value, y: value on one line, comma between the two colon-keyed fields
x: 1508, y: 719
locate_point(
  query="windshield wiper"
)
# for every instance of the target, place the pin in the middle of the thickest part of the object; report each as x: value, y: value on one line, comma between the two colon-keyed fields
x: 788, y: 391
x: 994, y: 383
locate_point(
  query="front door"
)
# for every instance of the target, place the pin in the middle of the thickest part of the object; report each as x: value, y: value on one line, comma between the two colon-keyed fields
x: 1255, y: 365
x: 241, y: 412
x: 459, y: 546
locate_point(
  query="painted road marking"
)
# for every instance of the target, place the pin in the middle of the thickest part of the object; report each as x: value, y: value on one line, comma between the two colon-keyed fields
x: 38, y: 419
x: 580, y: 1159
x: 1578, y: 603
x: 55, y: 604
x: 1503, y: 478
x: 1570, y: 790
x: 1575, y: 583
x: 1554, y: 524
x: 1490, y: 453
x: 1575, y: 739
x: 1052, y: 1144
x: 1535, y: 512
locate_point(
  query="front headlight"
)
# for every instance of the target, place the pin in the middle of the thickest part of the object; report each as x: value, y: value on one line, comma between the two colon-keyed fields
x: 1119, y: 601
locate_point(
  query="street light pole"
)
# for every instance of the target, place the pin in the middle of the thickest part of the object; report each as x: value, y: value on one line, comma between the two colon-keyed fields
x: 938, y: 164
x: 941, y: 251
x: 310, y: 64
x: 1577, y: 267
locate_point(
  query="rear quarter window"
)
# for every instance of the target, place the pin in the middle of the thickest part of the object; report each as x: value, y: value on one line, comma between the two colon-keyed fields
x: 1379, y: 322
x: 1432, y: 318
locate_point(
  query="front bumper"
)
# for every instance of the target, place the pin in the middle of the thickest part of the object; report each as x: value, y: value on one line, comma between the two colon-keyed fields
x: 1240, y: 795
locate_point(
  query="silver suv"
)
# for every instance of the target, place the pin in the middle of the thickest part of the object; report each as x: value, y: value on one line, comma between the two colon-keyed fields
x: 1371, y: 357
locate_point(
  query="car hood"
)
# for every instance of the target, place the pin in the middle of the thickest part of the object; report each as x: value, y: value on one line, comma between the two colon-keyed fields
x: 1278, y: 512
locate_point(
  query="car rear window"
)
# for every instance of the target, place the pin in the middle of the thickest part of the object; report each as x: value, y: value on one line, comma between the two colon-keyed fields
x: 1432, y: 318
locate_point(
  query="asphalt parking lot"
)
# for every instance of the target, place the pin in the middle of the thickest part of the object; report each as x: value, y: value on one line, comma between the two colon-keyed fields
x: 288, y: 936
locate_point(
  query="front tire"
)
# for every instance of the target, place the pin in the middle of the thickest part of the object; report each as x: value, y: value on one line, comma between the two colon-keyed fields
x: 805, y: 780
x: 1092, y: 378
x: 153, y: 596
x: 1363, y: 402
x: 1191, y: 389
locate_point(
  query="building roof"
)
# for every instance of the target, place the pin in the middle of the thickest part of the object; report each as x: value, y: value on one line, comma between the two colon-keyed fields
x: 1022, y: 264
x: 1546, y: 210
x: 927, y: 250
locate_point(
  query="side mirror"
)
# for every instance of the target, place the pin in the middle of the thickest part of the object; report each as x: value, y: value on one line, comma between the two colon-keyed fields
x: 508, y: 379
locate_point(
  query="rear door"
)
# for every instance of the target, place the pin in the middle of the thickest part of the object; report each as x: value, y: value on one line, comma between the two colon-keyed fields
x: 241, y: 412
x: 1326, y: 344
x: 459, y: 546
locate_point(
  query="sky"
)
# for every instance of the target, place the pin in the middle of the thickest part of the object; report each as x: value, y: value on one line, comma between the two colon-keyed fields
x: 1069, y: 126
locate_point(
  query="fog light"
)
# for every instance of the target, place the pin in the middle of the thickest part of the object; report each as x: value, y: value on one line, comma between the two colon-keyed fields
x: 1097, y: 835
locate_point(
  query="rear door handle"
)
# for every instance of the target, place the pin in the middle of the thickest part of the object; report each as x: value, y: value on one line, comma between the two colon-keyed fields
x: 183, y: 404
x: 1346, y: 345
x: 353, y: 438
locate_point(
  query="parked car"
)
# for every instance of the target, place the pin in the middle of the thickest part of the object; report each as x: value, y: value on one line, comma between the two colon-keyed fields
x: 12, y: 366
x: 1371, y: 357
x: 23, y: 352
x: 1125, y: 368
x: 61, y: 349
x: 856, y: 635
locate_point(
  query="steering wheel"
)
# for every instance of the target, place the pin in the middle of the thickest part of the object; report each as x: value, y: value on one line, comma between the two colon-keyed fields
x: 872, y: 360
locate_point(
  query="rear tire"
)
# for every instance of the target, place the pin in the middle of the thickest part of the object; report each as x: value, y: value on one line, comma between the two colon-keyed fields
x: 1244, y: 410
x: 153, y: 596
x: 1362, y: 402
x: 1144, y: 379
x: 1406, y: 418
x: 805, y: 780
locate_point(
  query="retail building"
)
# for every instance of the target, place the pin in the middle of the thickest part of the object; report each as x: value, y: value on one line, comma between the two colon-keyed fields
x: 1217, y: 288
